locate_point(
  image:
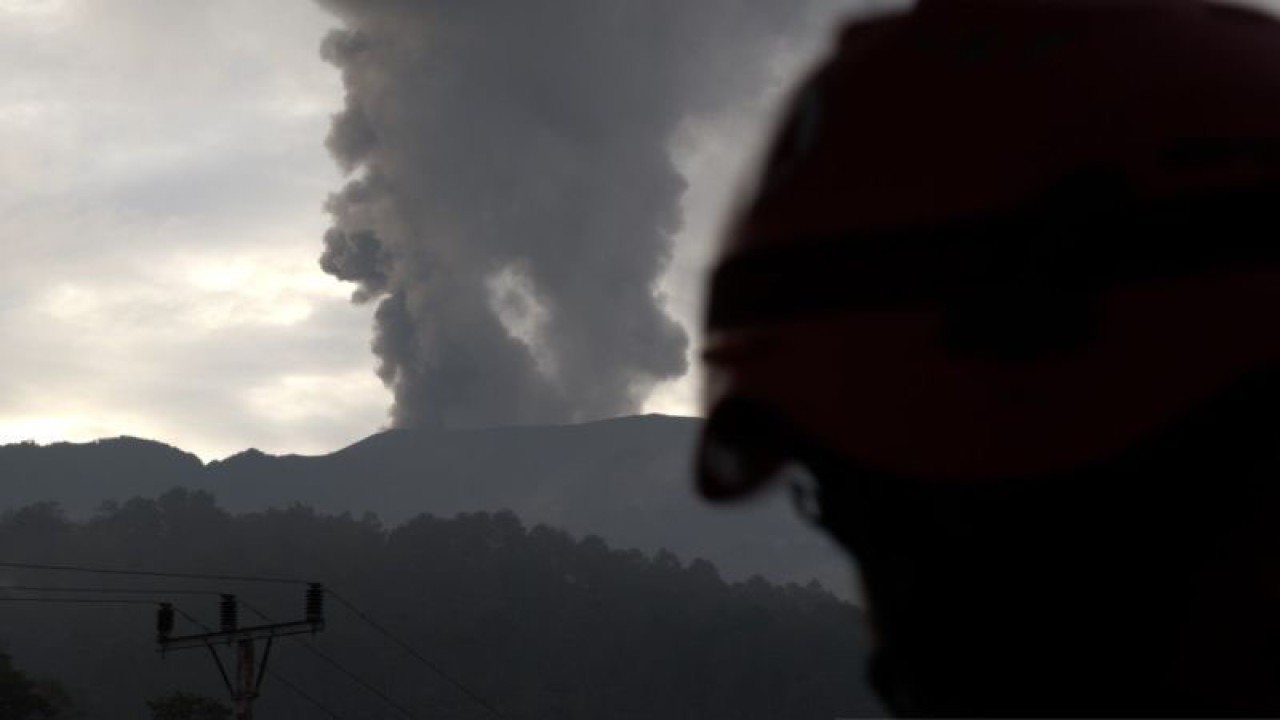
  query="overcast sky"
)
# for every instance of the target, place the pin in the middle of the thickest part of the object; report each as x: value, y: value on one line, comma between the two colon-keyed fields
x: 162, y: 180
x: 162, y: 177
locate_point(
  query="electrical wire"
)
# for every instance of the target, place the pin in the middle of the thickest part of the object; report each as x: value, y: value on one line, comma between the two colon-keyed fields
x: 191, y: 619
x: 108, y: 591
x: 275, y: 675
x: 151, y: 573
x: 338, y: 666
x: 78, y: 601
x: 356, y: 678
x: 304, y: 694
x: 415, y: 654
x: 381, y: 629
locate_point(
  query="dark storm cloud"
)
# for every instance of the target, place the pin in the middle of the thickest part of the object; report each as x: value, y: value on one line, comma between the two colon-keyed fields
x: 515, y: 199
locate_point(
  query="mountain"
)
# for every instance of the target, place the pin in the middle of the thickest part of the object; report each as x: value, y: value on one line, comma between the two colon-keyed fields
x: 626, y: 480
x: 81, y: 476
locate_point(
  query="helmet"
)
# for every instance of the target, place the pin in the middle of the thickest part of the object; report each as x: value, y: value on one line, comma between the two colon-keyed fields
x: 997, y: 239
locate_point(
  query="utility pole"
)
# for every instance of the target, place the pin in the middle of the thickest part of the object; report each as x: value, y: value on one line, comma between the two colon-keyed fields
x: 249, y: 673
x: 248, y: 687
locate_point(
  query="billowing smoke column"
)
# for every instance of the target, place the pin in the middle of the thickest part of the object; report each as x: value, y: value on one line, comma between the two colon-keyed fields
x: 514, y: 197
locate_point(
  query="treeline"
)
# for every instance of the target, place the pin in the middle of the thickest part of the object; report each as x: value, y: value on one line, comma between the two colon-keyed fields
x: 531, y: 621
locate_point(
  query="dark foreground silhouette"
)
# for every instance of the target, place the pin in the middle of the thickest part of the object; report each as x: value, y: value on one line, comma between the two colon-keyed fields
x: 1008, y: 289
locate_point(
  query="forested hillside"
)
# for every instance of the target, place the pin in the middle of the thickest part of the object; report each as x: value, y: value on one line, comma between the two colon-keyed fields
x: 627, y: 480
x: 535, y: 623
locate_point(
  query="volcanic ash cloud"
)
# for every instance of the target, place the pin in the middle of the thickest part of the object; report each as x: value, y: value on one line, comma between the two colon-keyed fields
x: 513, y: 197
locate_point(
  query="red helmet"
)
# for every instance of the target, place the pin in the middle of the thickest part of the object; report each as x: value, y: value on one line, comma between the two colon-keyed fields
x: 1002, y: 238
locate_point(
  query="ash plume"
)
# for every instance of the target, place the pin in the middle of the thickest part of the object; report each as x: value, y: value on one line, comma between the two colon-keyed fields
x: 514, y: 198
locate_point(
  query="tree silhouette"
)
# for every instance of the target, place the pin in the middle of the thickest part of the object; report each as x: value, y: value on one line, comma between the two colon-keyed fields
x: 24, y: 698
x: 538, y: 622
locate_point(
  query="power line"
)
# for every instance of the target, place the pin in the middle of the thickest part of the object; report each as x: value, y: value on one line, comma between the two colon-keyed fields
x: 415, y: 654
x: 275, y: 675
x: 304, y: 695
x: 339, y: 667
x: 78, y: 601
x: 191, y: 619
x: 116, y: 601
x: 151, y: 573
x: 356, y: 678
x: 473, y: 696
x: 108, y: 591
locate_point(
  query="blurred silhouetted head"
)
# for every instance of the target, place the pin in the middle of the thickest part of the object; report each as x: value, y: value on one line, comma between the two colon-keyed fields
x: 1007, y: 290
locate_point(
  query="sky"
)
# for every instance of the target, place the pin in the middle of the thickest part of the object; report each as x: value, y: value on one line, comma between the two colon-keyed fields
x: 163, y: 175
x: 163, y: 179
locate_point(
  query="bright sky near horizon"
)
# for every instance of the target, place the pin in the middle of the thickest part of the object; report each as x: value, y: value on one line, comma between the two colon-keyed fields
x: 162, y: 170
x: 162, y: 175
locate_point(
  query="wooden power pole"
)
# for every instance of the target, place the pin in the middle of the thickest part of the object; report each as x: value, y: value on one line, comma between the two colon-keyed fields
x: 249, y: 672
x: 248, y: 686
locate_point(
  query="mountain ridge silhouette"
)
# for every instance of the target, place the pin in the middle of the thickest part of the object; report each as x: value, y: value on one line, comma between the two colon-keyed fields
x: 627, y: 480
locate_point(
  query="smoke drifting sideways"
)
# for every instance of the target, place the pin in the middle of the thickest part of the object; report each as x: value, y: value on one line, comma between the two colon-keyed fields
x: 513, y: 196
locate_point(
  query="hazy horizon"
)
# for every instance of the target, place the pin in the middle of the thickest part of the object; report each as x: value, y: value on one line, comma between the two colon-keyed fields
x: 329, y: 451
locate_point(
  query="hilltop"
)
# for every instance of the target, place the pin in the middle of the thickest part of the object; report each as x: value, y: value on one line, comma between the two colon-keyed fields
x: 626, y: 480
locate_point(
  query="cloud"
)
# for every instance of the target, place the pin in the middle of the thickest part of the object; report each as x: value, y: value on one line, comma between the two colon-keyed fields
x: 163, y: 189
x: 163, y: 181
x: 515, y: 196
